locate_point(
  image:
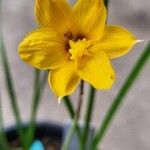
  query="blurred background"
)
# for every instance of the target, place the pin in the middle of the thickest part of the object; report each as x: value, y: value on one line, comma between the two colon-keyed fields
x: 131, y: 128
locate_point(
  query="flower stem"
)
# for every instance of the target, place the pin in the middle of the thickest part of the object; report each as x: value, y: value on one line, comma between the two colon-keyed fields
x: 75, y: 117
x: 88, y: 115
x: 121, y: 95
x: 37, y: 74
x: 69, y: 106
x: 80, y: 100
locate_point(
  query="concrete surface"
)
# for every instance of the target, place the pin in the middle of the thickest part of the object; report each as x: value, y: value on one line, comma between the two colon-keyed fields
x: 131, y: 128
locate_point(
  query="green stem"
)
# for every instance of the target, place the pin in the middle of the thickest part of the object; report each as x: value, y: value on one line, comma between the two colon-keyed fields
x: 88, y: 115
x: 36, y: 81
x: 80, y: 100
x: 74, y: 115
x: 69, y: 106
x: 39, y: 88
x: 121, y: 95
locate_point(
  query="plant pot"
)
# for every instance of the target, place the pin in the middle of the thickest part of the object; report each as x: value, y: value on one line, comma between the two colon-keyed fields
x: 50, y: 134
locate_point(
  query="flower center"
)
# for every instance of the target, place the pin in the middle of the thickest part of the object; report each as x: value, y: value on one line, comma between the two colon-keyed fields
x: 77, y: 45
x: 72, y: 37
x: 78, y: 49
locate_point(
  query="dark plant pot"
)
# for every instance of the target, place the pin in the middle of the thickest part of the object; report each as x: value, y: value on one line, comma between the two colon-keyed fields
x: 50, y: 134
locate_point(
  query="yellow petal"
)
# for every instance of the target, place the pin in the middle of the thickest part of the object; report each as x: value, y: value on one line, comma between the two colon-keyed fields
x: 44, y: 49
x: 97, y: 70
x: 55, y: 14
x: 116, y: 41
x: 64, y: 80
x: 91, y: 16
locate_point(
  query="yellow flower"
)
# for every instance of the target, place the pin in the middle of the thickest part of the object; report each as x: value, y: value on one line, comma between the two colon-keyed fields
x: 74, y: 43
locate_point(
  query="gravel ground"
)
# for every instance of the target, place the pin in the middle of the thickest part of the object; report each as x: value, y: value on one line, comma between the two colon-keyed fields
x: 130, y: 129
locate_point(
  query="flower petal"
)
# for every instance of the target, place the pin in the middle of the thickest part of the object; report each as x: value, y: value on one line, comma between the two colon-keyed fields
x: 55, y: 14
x: 116, y: 41
x: 97, y: 70
x: 91, y: 16
x: 64, y: 80
x: 44, y: 49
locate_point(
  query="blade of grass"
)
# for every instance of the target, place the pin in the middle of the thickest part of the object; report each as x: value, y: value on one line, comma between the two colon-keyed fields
x: 145, y: 56
x: 38, y: 91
